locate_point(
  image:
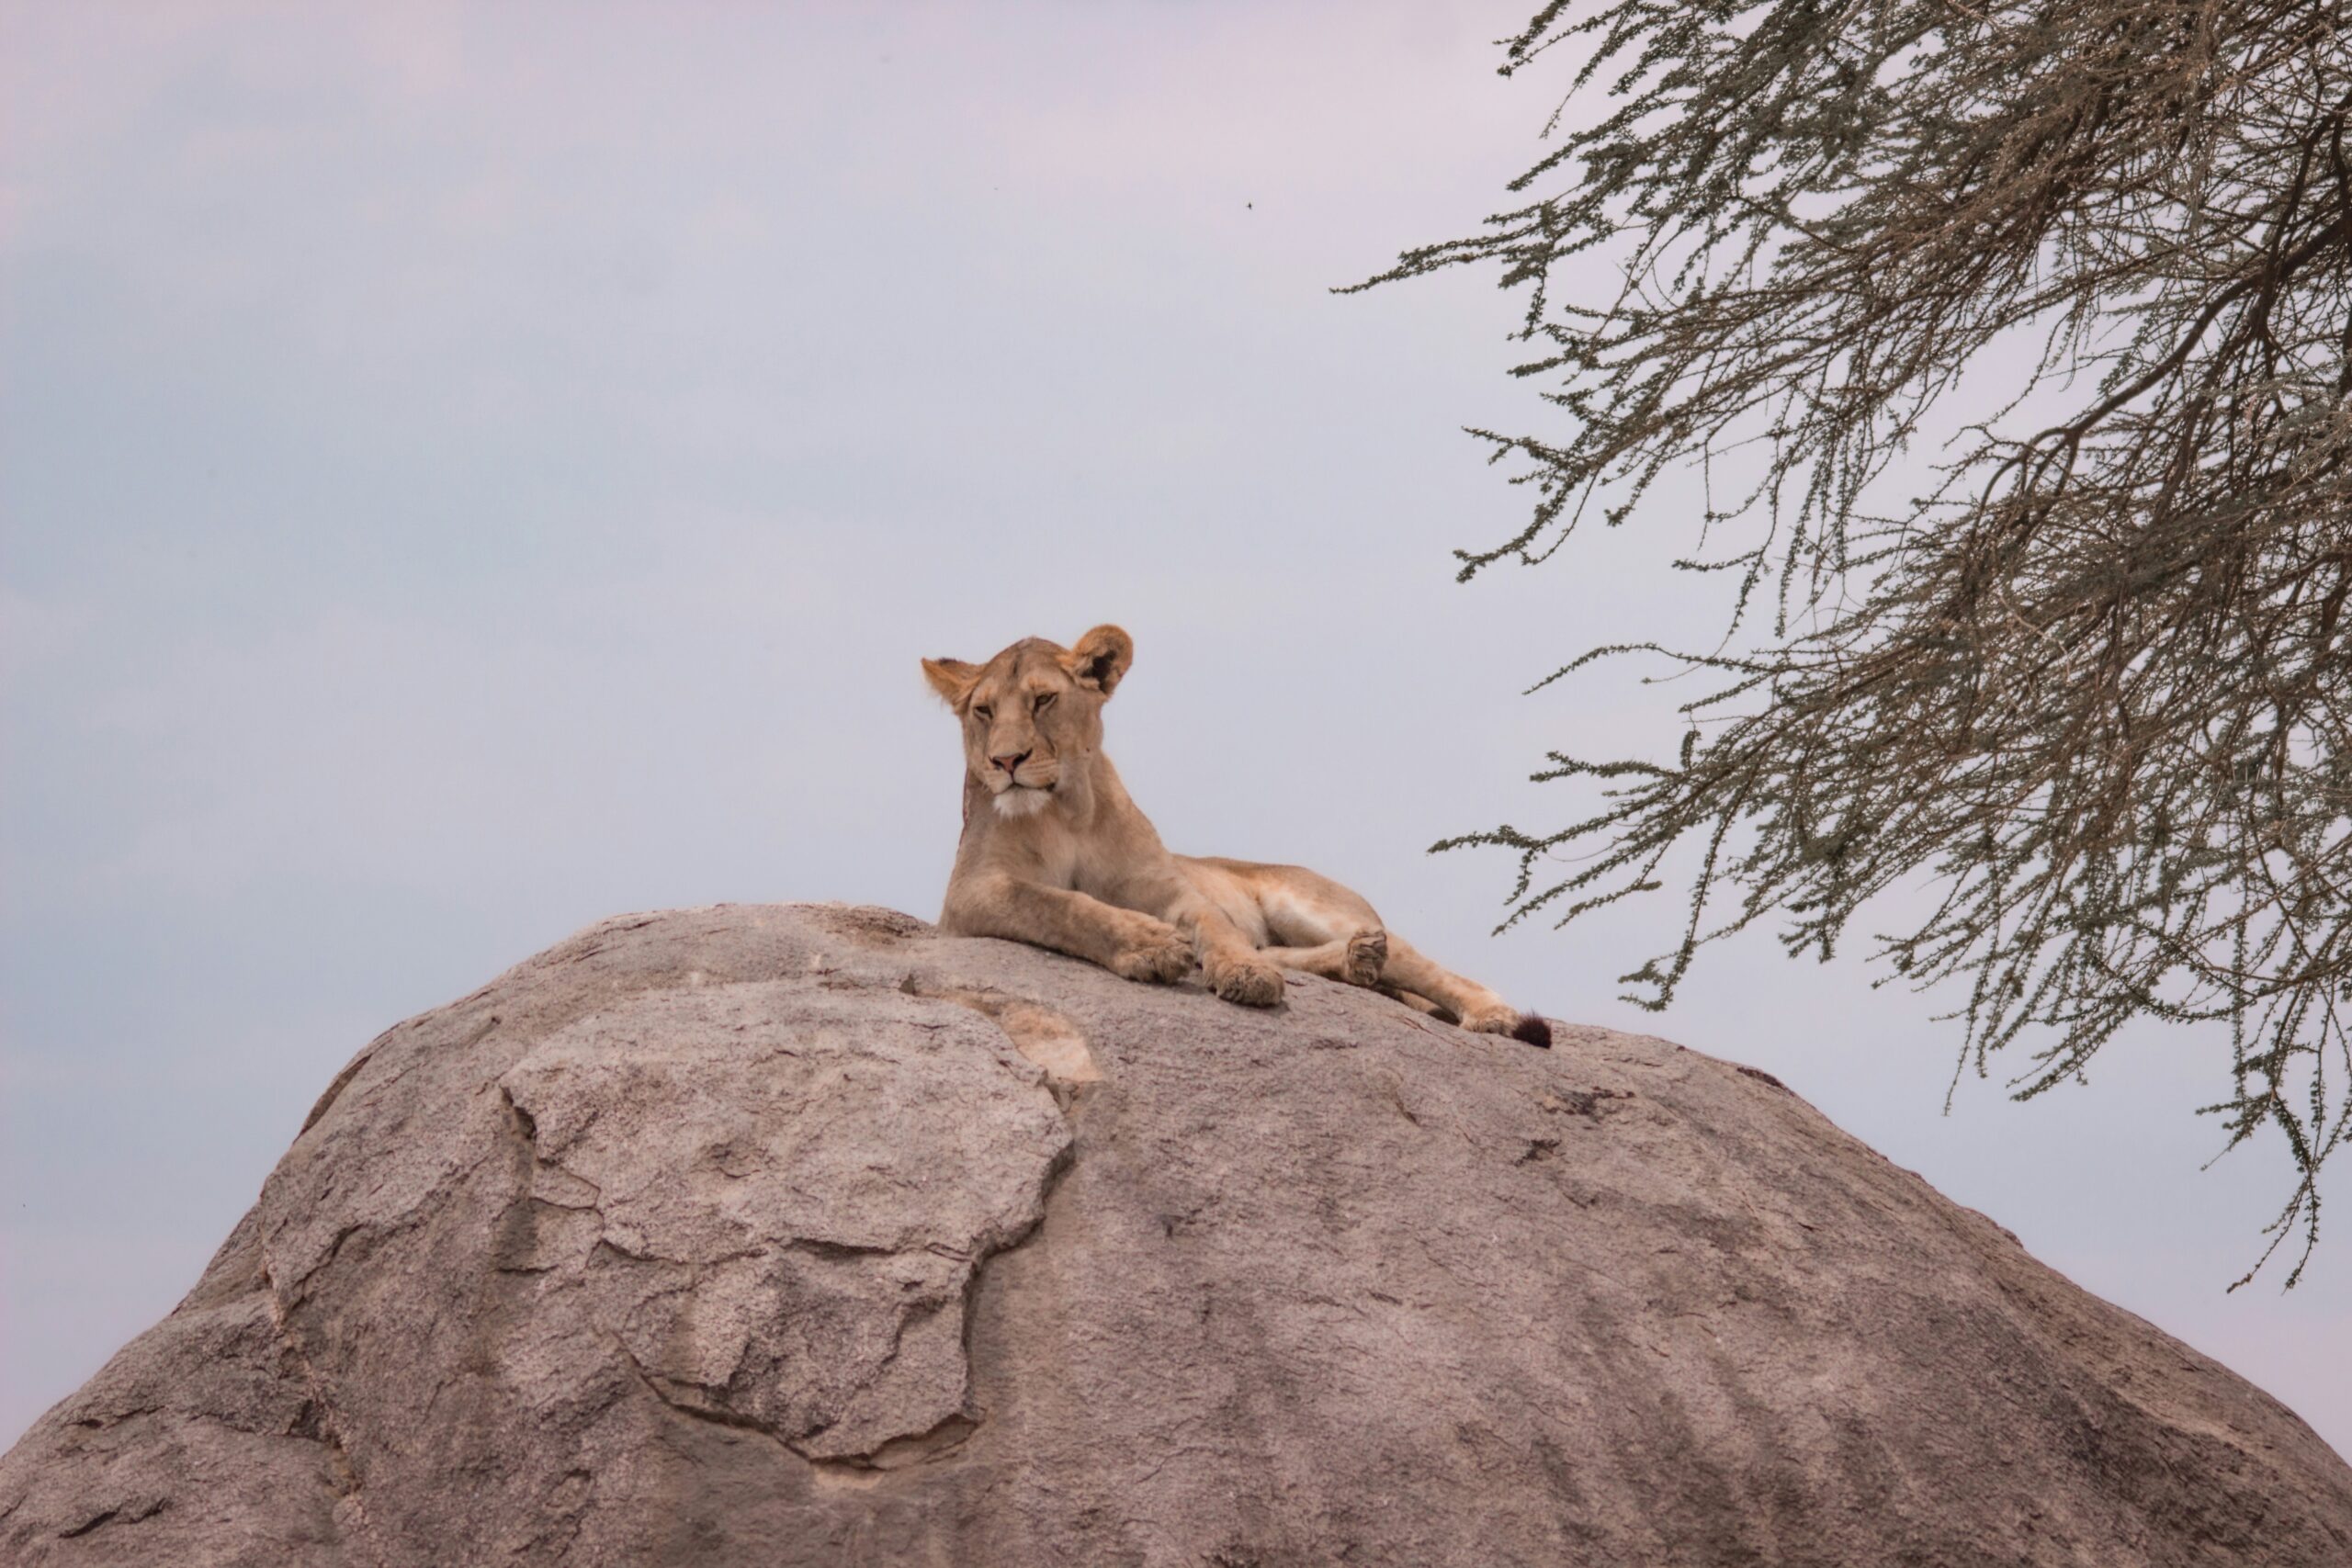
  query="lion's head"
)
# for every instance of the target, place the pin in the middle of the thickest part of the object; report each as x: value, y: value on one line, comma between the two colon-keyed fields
x: 1033, y: 715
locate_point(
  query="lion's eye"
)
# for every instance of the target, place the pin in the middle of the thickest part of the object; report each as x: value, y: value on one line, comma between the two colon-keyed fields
x: 1045, y: 700
x: 982, y: 712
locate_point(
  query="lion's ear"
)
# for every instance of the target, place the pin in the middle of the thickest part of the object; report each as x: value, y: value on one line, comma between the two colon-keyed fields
x: 1102, y: 658
x: 950, y: 678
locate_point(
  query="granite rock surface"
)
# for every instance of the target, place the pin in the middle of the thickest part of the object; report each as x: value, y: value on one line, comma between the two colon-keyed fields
x: 804, y: 1235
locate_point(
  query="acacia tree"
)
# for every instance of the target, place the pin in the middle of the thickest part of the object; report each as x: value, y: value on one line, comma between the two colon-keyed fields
x: 2091, y: 684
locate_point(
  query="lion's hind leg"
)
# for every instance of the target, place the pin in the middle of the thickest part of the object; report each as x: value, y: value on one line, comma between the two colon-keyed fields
x: 1317, y: 926
x: 1472, y: 1004
x: 1356, y: 960
x: 1314, y: 925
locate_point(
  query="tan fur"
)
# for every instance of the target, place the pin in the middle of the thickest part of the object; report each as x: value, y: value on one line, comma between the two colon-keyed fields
x: 1056, y: 853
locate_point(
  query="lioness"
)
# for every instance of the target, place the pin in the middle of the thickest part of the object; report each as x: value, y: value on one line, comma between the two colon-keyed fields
x: 1053, y: 852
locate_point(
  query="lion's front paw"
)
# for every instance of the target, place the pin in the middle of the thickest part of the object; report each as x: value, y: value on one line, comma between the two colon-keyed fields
x: 1367, y: 956
x: 1157, y: 955
x: 1247, y: 981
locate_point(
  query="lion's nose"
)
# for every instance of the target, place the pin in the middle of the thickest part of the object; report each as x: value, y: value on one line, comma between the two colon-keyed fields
x: 1011, y: 764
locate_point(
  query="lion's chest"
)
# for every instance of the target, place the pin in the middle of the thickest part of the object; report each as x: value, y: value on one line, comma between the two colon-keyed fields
x: 1091, y: 864
x: 1059, y: 856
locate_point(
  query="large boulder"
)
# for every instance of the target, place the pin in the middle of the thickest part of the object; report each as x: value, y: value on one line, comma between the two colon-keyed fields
x: 806, y: 1235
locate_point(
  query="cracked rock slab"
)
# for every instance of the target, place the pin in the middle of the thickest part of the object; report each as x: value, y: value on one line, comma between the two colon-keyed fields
x: 778, y: 1201
x: 803, y: 1235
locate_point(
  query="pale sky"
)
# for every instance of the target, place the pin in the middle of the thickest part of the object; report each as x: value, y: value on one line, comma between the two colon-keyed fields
x: 467, y: 471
